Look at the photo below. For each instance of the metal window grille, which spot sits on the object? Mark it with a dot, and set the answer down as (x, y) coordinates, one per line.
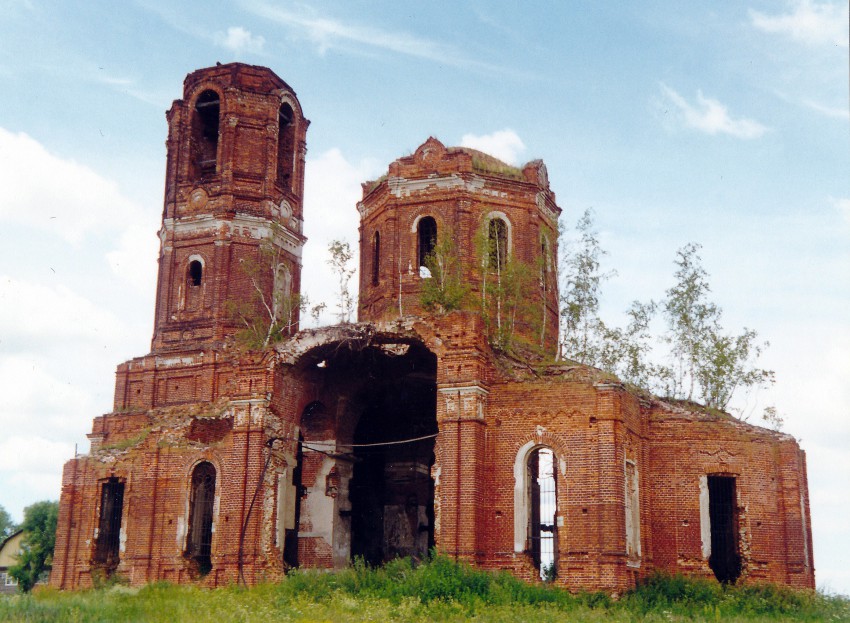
(109, 527)
(199, 542)
(543, 507)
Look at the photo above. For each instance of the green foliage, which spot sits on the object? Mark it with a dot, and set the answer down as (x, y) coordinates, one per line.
(707, 362)
(772, 419)
(487, 164)
(39, 528)
(585, 337)
(7, 526)
(689, 598)
(583, 333)
(437, 590)
(444, 290)
(509, 290)
(272, 312)
(130, 442)
(340, 259)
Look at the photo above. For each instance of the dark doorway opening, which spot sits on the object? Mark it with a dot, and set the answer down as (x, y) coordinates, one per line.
(391, 490)
(725, 559)
(108, 544)
(290, 544)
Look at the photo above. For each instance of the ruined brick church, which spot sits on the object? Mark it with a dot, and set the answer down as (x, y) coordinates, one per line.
(407, 430)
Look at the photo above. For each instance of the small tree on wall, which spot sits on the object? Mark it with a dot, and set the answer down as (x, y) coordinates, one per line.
(339, 261)
(705, 360)
(272, 312)
(444, 290)
(508, 291)
(583, 332)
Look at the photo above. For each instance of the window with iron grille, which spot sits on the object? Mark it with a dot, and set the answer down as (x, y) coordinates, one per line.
(108, 542)
(543, 506)
(199, 541)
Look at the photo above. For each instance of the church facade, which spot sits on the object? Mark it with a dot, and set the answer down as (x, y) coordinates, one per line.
(411, 429)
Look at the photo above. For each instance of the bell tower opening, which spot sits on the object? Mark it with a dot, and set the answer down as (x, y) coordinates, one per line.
(205, 134)
(427, 239)
(285, 144)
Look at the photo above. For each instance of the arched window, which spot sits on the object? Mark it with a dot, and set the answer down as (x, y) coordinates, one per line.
(497, 243)
(195, 273)
(285, 143)
(376, 258)
(542, 501)
(427, 238)
(201, 503)
(205, 134)
(536, 507)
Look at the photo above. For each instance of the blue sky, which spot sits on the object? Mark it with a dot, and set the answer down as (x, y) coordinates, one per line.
(723, 123)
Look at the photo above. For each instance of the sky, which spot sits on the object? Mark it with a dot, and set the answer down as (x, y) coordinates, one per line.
(722, 123)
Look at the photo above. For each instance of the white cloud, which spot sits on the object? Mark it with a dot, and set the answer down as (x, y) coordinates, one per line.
(504, 144)
(59, 196)
(39, 403)
(240, 40)
(712, 117)
(30, 470)
(134, 258)
(35, 312)
(327, 33)
(836, 113)
(332, 214)
(843, 207)
(813, 23)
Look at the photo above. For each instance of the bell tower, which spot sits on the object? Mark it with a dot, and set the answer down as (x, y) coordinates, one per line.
(231, 235)
(491, 224)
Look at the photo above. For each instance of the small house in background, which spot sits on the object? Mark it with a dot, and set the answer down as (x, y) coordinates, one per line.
(10, 549)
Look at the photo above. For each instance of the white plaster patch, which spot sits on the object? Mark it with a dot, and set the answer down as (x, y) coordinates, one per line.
(704, 517)
(181, 532)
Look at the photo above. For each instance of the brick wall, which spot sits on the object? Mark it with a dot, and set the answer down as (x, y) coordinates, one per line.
(200, 397)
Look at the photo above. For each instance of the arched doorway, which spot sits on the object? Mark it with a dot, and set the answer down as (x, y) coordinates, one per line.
(369, 430)
(391, 491)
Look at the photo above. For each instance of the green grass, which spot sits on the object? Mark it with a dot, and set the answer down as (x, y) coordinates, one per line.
(439, 590)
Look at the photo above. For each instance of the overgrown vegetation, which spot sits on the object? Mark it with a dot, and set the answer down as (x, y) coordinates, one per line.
(7, 526)
(438, 590)
(340, 262)
(272, 311)
(488, 164)
(444, 291)
(696, 358)
(509, 290)
(36, 555)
